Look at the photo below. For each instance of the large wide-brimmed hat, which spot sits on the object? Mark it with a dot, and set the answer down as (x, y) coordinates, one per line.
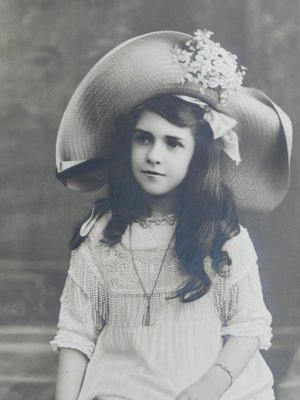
(144, 67)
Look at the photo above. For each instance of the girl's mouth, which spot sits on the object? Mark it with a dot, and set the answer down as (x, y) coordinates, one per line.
(148, 172)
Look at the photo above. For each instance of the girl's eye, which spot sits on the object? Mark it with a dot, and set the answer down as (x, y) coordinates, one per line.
(141, 138)
(174, 144)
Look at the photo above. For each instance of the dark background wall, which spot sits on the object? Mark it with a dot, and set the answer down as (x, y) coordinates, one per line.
(46, 47)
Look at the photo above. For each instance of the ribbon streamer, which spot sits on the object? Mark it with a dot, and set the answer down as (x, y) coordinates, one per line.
(88, 224)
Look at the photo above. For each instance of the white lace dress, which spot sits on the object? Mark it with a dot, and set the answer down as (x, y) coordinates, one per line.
(103, 307)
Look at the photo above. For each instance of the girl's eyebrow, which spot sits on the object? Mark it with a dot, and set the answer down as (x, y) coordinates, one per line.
(137, 130)
(179, 139)
(169, 137)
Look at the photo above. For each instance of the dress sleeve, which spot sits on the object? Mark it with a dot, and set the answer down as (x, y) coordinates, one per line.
(240, 299)
(83, 310)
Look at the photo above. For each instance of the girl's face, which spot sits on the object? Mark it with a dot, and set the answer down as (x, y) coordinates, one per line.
(161, 153)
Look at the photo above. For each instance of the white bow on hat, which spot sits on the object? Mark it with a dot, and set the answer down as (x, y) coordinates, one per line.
(222, 127)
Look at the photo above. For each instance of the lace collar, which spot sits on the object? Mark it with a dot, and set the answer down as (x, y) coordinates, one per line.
(145, 222)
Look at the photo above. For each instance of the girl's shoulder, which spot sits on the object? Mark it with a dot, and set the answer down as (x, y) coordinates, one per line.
(95, 224)
(242, 254)
(92, 227)
(240, 243)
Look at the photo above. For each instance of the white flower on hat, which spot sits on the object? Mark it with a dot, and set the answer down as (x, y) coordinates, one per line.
(209, 65)
(213, 83)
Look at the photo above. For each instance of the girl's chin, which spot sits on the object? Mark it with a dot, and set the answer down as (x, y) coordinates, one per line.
(156, 194)
(154, 189)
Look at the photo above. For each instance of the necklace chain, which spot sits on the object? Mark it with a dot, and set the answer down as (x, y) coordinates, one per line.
(147, 316)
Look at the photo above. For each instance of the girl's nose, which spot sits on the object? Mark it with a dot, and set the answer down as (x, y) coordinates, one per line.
(155, 155)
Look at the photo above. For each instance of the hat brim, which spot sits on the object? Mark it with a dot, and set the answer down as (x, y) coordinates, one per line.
(142, 68)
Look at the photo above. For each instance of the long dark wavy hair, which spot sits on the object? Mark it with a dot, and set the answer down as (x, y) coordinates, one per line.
(206, 214)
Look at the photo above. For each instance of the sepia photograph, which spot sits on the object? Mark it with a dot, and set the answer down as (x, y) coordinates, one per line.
(150, 217)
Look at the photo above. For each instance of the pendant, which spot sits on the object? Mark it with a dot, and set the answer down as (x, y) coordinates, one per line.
(146, 321)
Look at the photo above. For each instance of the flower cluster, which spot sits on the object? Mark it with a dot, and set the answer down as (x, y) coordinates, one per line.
(209, 65)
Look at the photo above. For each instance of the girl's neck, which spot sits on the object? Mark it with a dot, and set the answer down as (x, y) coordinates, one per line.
(158, 207)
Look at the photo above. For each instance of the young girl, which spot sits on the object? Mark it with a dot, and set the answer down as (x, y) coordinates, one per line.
(163, 299)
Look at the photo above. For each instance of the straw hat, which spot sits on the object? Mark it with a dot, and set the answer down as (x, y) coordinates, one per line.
(144, 67)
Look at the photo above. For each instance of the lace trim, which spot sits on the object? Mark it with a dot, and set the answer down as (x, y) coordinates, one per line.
(227, 288)
(84, 293)
(247, 315)
(252, 328)
(118, 273)
(128, 310)
(102, 286)
(145, 222)
(70, 339)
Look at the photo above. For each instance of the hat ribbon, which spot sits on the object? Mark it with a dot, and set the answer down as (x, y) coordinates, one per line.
(222, 126)
(88, 224)
(66, 165)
